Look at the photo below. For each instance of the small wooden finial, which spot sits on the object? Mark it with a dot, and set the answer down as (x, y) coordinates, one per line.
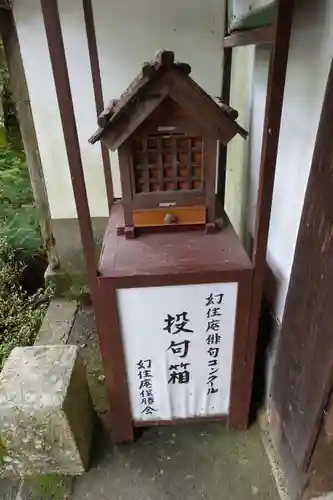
(106, 114)
(183, 68)
(165, 57)
(148, 70)
(228, 110)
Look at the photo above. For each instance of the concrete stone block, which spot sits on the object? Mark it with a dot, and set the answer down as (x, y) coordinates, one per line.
(57, 322)
(46, 417)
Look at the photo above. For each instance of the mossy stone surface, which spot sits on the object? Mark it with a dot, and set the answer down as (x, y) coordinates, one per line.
(50, 487)
(45, 412)
(71, 284)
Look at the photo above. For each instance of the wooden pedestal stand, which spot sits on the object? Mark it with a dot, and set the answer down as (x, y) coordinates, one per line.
(207, 259)
(160, 260)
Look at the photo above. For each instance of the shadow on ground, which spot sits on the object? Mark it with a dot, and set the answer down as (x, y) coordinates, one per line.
(181, 463)
(189, 462)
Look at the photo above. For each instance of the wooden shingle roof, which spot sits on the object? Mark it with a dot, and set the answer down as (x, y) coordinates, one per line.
(153, 76)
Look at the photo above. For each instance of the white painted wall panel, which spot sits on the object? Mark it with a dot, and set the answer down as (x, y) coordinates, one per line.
(309, 62)
(77, 54)
(258, 103)
(238, 150)
(45, 111)
(130, 32)
(44, 104)
(308, 66)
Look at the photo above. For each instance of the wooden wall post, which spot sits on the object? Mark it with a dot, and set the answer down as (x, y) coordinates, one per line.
(225, 95)
(302, 380)
(122, 427)
(272, 121)
(97, 84)
(61, 79)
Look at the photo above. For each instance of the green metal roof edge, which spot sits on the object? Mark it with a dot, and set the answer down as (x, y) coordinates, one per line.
(256, 18)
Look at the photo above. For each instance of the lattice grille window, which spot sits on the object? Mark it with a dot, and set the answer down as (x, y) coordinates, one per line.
(167, 163)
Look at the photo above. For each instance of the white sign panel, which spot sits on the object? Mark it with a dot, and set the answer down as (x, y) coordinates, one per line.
(178, 344)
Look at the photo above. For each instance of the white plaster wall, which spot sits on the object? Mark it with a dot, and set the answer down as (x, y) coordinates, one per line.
(128, 33)
(46, 115)
(257, 114)
(238, 148)
(131, 31)
(43, 101)
(309, 60)
(76, 47)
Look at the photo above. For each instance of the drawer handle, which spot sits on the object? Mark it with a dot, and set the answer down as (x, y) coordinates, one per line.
(171, 219)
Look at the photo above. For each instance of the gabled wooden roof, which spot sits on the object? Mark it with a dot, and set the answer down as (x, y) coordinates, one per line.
(157, 80)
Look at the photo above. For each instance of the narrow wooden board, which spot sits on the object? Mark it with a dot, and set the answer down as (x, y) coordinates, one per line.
(302, 376)
(185, 215)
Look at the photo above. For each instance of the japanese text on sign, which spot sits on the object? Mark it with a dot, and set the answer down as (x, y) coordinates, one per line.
(178, 345)
(179, 371)
(145, 386)
(213, 339)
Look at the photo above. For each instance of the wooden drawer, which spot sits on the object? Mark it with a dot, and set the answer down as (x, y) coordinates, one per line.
(157, 216)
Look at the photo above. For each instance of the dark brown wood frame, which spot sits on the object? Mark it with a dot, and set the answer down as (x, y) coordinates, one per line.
(116, 371)
(265, 34)
(204, 196)
(61, 78)
(279, 36)
(103, 291)
(63, 89)
(97, 84)
(225, 95)
(301, 403)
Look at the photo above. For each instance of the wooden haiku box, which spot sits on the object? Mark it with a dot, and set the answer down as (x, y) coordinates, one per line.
(166, 129)
(174, 300)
